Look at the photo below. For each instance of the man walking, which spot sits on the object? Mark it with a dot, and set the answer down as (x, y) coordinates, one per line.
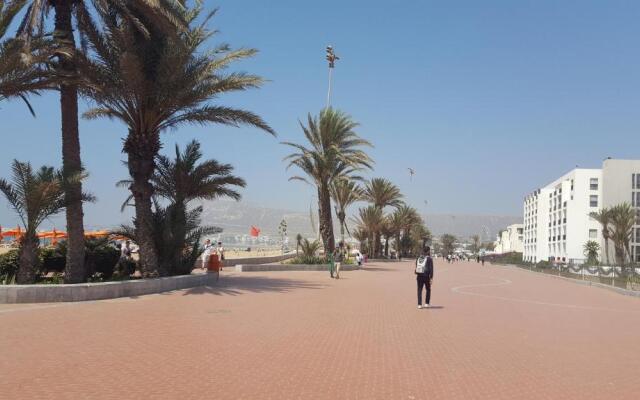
(424, 276)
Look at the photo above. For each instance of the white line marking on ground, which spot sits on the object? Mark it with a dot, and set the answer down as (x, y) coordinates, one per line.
(503, 282)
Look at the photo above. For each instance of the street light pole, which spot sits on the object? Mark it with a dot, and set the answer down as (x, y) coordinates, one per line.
(331, 58)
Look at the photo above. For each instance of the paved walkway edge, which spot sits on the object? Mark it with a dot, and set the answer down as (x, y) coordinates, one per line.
(626, 292)
(10, 294)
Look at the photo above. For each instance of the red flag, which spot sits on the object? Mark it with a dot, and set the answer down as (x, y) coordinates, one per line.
(255, 232)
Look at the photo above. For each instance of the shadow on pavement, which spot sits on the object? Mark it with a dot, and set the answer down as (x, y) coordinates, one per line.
(379, 269)
(434, 308)
(236, 285)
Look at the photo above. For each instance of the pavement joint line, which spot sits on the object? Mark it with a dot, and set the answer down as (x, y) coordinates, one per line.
(504, 282)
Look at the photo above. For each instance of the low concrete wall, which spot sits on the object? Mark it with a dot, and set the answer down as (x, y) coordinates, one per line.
(258, 260)
(99, 291)
(291, 267)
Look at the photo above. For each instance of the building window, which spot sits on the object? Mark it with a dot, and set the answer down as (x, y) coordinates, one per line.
(637, 181)
(593, 200)
(637, 235)
(593, 233)
(633, 181)
(593, 183)
(637, 199)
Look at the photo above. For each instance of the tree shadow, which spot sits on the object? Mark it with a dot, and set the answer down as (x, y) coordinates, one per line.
(237, 285)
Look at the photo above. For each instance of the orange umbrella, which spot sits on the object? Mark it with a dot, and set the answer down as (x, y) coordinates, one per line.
(97, 234)
(54, 235)
(13, 232)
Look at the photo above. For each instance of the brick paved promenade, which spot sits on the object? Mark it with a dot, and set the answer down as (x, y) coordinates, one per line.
(496, 333)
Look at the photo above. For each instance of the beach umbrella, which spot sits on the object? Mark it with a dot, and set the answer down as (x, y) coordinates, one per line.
(12, 232)
(255, 232)
(96, 234)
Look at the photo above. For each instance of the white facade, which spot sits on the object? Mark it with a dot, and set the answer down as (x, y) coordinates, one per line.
(510, 239)
(556, 217)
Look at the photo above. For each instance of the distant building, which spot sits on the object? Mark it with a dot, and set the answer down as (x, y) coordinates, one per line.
(556, 217)
(510, 240)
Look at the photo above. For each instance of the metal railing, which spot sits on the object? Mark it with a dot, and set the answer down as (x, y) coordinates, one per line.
(621, 277)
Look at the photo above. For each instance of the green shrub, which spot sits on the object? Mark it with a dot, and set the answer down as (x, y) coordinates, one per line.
(51, 259)
(309, 260)
(543, 264)
(8, 267)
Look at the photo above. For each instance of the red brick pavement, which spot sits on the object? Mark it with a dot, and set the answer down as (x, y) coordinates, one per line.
(496, 333)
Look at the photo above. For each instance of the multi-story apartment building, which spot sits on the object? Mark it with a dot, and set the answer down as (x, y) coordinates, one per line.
(510, 239)
(556, 216)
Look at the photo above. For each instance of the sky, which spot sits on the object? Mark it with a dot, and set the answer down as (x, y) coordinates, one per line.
(487, 101)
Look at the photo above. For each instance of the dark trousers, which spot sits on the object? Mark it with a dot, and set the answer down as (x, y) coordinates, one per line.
(424, 282)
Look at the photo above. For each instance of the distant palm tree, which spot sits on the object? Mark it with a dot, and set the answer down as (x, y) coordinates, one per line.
(20, 65)
(623, 218)
(403, 219)
(298, 242)
(34, 196)
(145, 15)
(344, 193)
(475, 244)
(381, 193)
(448, 242)
(591, 249)
(157, 82)
(603, 216)
(370, 220)
(334, 153)
(361, 236)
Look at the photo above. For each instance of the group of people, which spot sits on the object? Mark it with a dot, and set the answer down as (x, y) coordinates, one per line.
(209, 250)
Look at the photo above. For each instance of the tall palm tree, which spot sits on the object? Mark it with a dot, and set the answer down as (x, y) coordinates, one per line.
(603, 216)
(155, 83)
(34, 196)
(448, 242)
(382, 193)
(182, 180)
(475, 244)
(298, 242)
(334, 153)
(20, 66)
(370, 220)
(344, 193)
(162, 13)
(623, 218)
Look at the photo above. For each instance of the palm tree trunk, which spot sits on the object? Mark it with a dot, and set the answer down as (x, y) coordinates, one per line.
(606, 248)
(326, 220)
(71, 162)
(141, 150)
(28, 259)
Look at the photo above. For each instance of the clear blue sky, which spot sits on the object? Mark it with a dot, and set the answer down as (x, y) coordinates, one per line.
(487, 100)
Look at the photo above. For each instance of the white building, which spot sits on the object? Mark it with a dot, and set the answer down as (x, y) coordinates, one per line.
(556, 217)
(510, 240)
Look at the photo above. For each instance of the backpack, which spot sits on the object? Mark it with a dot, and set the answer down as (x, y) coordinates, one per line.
(421, 265)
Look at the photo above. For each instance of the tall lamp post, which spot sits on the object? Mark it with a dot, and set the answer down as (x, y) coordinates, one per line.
(331, 58)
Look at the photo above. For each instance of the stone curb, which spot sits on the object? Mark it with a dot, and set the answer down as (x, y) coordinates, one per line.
(625, 292)
(10, 294)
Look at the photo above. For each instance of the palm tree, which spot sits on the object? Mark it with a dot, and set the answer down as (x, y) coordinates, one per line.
(623, 218)
(344, 193)
(155, 83)
(475, 244)
(382, 193)
(298, 242)
(309, 249)
(448, 242)
(34, 196)
(158, 13)
(604, 218)
(370, 220)
(361, 236)
(403, 219)
(182, 180)
(334, 154)
(591, 250)
(20, 72)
